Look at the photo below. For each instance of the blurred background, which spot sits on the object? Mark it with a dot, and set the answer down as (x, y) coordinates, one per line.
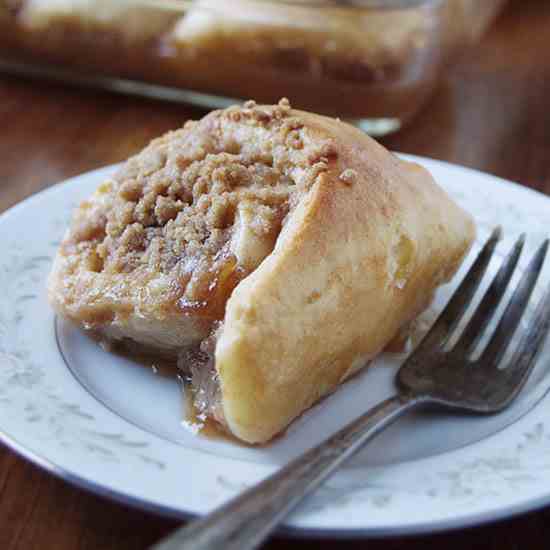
(435, 76)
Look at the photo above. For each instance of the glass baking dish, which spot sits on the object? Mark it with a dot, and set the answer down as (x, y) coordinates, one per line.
(374, 62)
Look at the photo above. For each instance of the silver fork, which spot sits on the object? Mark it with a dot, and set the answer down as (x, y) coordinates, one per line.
(451, 378)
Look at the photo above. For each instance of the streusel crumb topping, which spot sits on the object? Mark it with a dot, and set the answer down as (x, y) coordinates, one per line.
(200, 207)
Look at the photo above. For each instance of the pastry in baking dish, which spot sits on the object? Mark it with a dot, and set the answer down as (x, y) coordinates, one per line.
(272, 252)
(349, 44)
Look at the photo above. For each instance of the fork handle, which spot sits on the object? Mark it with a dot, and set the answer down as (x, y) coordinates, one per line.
(245, 521)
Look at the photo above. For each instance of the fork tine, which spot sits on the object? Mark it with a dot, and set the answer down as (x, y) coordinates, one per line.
(525, 356)
(511, 317)
(451, 315)
(490, 302)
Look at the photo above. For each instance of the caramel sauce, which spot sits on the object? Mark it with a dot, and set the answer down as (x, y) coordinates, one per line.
(192, 419)
(142, 357)
(200, 424)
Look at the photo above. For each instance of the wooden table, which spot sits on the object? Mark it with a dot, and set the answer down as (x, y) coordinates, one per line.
(491, 113)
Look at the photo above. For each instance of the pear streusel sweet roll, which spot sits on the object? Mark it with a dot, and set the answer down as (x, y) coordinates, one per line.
(272, 252)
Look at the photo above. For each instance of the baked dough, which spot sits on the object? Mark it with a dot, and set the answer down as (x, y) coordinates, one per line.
(274, 251)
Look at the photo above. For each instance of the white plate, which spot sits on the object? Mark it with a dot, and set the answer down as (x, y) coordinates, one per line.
(102, 423)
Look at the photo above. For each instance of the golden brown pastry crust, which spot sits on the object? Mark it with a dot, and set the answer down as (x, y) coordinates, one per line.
(359, 257)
